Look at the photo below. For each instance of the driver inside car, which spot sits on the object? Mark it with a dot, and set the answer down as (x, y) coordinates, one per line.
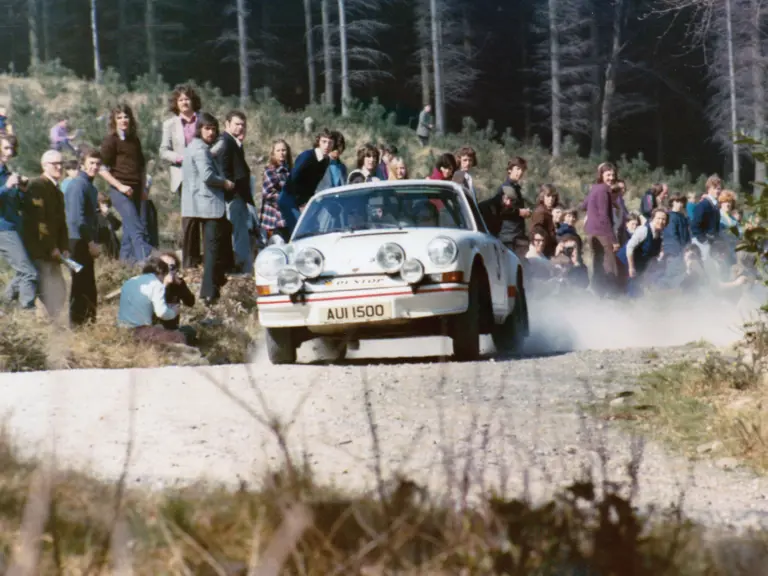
(377, 214)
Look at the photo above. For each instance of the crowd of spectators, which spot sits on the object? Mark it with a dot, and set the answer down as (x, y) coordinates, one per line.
(59, 218)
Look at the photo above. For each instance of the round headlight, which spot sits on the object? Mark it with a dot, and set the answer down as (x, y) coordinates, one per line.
(390, 257)
(442, 251)
(289, 281)
(270, 261)
(310, 262)
(412, 271)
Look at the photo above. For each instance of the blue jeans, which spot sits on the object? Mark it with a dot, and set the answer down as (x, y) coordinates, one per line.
(239, 215)
(289, 210)
(135, 243)
(24, 283)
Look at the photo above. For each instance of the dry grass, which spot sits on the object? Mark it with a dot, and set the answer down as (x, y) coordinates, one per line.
(74, 524)
(715, 407)
(28, 341)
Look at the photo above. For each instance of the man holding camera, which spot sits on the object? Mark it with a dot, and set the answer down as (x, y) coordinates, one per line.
(44, 231)
(568, 264)
(24, 283)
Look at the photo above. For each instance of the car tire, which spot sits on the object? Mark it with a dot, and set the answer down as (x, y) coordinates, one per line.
(508, 337)
(281, 348)
(465, 331)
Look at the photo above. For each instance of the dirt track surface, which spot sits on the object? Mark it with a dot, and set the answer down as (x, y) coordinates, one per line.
(517, 418)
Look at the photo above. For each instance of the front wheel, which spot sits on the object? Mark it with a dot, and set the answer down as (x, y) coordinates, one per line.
(280, 346)
(465, 331)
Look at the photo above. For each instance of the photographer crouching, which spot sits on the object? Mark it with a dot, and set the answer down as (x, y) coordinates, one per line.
(569, 268)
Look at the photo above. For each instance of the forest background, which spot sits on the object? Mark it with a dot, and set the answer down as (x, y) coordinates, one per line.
(668, 79)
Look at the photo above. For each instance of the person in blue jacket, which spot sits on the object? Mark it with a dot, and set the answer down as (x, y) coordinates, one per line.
(643, 247)
(705, 223)
(677, 235)
(308, 170)
(24, 285)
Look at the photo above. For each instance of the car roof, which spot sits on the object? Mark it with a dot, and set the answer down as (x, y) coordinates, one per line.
(391, 184)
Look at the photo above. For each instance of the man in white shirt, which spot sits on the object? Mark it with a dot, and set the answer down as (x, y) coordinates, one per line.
(144, 295)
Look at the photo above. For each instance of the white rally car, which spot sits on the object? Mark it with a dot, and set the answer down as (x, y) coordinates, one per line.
(390, 259)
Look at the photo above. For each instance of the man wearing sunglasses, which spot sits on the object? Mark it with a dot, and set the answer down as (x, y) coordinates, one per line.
(45, 234)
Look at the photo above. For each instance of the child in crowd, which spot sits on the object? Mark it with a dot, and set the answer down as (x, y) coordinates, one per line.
(72, 168)
(108, 225)
(557, 216)
(568, 226)
(690, 205)
(633, 221)
(568, 223)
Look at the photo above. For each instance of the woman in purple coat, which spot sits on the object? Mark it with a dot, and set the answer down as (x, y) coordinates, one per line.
(600, 232)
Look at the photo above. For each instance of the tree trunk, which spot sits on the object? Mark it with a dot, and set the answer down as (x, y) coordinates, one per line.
(95, 40)
(525, 78)
(149, 23)
(610, 74)
(242, 54)
(467, 32)
(732, 85)
(122, 28)
(34, 49)
(758, 77)
(423, 34)
(659, 127)
(45, 20)
(266, 45)
(554, 60)
(346, 93)
(310, 52)
(437, 68)
(596, 82)
(329, 97)
(426, 82)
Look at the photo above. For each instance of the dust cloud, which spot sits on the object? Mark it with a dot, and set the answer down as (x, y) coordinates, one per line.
(584, 322)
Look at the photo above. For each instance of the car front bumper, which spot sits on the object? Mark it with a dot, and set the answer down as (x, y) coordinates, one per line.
(333, 312)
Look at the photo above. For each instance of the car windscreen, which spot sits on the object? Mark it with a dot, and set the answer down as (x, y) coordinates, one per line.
(382, 207)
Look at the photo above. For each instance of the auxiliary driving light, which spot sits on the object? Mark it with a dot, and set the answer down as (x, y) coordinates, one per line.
(412, 271)
(289, 281)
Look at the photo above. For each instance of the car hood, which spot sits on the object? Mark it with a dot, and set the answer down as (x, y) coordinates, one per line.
(355, 252)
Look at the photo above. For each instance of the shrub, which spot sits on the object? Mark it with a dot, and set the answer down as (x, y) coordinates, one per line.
(53, 77)
(32, 123)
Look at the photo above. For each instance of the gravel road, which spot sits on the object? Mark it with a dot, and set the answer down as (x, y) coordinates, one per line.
(518, 420)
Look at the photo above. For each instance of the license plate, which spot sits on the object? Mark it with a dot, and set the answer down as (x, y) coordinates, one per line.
(356, 313)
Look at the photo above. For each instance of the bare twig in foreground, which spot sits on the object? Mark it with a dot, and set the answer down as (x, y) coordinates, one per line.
(27, 551)
(297, 519)
(120, 549)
